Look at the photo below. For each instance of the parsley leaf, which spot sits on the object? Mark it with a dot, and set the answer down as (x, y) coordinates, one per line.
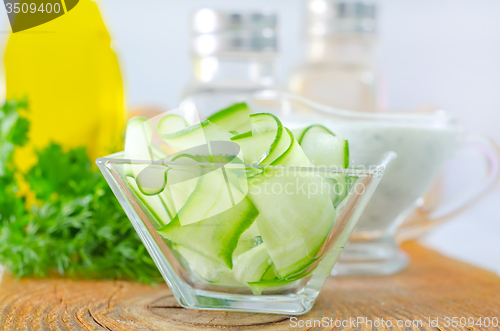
(77, 228)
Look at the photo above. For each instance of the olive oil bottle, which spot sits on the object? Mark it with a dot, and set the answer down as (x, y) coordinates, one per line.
(69, 73)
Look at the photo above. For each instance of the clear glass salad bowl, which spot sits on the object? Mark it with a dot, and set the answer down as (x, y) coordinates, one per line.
(310, 229)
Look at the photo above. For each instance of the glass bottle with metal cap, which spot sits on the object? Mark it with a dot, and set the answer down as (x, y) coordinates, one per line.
(340, 68)
(234, 55)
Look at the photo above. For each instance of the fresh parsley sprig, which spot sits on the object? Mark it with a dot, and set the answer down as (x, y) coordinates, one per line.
(77, 228)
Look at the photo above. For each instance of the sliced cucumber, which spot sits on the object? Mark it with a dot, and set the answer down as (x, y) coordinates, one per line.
(326, 150)
(269, 275)
(264, 123)
(268, 239)
(253, 148)
(207, 189)
(154, 204)
(204, 267)
(293, 155)
(251, 233)
(295, 221)
(293, 227)
(216, 237)
(323, 148)
(277, 284)
(206, 142)
(266, 142)
(168, 200)
(181, 183)
(209, 198)
(158, 153)
(191, 136)
(252, 265)
(171, 123)
(257, 144)
(150, 178)
(138, 135)
(246, 244)
(234, 118)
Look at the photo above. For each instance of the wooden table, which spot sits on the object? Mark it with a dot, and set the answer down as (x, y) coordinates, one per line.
(433, 287)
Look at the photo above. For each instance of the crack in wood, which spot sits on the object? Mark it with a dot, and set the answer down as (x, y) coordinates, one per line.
(120, 287)
(81, 322)
(104, 326)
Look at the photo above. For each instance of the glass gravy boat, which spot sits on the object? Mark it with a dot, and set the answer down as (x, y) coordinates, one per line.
(423, 142)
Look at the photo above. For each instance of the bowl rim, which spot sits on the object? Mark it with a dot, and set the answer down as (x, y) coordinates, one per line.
(376, 170)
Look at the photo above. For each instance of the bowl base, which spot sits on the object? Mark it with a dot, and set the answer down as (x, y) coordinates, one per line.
(269, 304)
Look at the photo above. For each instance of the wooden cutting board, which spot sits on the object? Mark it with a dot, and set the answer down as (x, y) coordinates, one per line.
(432, 287)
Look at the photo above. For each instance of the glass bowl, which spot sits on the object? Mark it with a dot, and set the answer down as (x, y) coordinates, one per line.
(297, 210)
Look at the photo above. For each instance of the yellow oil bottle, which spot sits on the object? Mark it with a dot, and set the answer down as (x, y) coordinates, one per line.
(70, 75)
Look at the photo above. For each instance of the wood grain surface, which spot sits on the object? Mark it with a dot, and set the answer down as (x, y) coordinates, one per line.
(432, 287)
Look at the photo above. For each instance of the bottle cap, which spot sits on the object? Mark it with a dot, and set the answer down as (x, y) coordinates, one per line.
(340, 16)
(219, 31)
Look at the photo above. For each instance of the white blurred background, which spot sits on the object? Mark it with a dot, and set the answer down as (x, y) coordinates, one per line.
(443, 53)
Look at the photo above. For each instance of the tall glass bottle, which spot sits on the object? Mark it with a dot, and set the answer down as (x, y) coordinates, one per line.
(234, 55)
(70, 75)
(340, 68)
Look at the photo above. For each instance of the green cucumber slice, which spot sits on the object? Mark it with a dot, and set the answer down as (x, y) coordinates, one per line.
(295, 222)
(251, 265)
(209, 271)
(154, 204)
(326, 150)
(293, 155)
(263, 124)
(216, 237)
(211, 190)
(275, 284)
(158, 153)
(252, 232)
(172, 123)
(234, 118)
(188, 137)
(246, 244)
(138, 135)
(204, 267)
(168, 200)
(293, 226)
(206, 142)
(269, 275)
(266, 142)
(150, 178)
(181, 183)
(254, 149)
